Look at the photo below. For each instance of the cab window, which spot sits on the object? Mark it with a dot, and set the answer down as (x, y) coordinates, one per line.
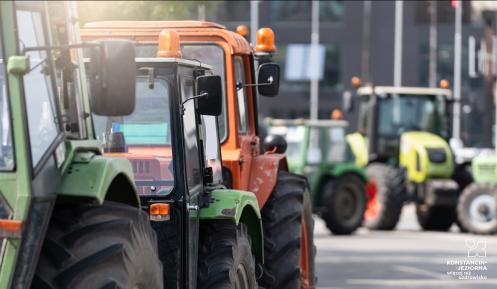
(6, 150)
(241, 96)
(211, 147)
(38, 90)
(190, 134)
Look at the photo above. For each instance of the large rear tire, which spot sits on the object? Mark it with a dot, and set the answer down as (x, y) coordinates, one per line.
(477, 208)
(225, 257)
(435, 218)
(288, 235)
(345, 202)
(99, 247)
(383, 211)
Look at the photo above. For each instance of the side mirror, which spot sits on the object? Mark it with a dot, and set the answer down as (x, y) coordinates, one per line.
(112, 78)
(209, 92)
(268, 79)
(347, 101)
(275, 144)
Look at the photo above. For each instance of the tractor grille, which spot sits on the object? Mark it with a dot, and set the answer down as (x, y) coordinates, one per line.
(437, 156)
(140, 166)
(486, 169)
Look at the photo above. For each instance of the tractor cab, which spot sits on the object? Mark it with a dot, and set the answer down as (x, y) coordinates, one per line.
(385, 113)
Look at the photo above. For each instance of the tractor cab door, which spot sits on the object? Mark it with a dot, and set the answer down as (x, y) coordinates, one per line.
(194, 179)
(32, 148)
(247, 139)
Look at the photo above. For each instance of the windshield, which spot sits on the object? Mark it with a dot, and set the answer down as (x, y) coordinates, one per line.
(210, 54)
(400, 113)
(144, 137)
(294, 136)
(6, 153)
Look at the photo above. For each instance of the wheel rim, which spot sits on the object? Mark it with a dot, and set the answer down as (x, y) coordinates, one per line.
(373, 208)
(304, 257)
(242, 279)
(346, 204)
(482, 211)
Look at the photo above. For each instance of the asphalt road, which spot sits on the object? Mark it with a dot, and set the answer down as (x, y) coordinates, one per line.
(405, 258)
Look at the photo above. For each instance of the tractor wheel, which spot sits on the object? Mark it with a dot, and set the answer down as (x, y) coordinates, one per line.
(385, 205)
(435, 218)
(288, 235)
(477, 207)
(345, 201)
(99, 246)
(225, 259)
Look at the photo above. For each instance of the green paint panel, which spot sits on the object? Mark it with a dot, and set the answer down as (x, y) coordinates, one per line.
(90, 175)
(485, 169)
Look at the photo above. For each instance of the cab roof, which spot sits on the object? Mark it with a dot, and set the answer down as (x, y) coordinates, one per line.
(186, 62)
(368, 90)
(148, 31)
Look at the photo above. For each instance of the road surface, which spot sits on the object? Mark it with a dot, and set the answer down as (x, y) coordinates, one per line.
(405, 258)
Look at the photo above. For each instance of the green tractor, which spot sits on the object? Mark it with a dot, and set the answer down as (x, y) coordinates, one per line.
(477, 207)
(318, 150)
(72, 216)
(402, 140)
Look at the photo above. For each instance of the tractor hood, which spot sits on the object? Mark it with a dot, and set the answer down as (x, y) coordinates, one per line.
(425, 155)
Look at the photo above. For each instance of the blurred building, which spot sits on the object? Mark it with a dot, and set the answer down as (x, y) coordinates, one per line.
(341, 36)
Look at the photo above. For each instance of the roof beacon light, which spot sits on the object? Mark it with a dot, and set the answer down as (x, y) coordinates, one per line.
(444, 83)
(356, 82)
(243, 30)
(336, 114)
(169, 44)
(265, 41)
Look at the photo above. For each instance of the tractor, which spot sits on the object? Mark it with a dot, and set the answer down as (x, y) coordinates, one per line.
(209, 236)
(402, 140)
(246, 72)
(477, 207)
(318, 150)
(71, 214)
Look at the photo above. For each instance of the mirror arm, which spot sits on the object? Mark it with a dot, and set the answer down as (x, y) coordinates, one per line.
(204, 94)
(258, 84)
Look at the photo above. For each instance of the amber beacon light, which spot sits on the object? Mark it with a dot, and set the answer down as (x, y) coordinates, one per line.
(169, 44)
(243, 30)
(265, 41)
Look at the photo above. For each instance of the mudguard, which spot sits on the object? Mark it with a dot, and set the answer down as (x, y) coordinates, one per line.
(238, 206)
(93, 176)
(349, 168)
(425, 156)
(359, 146)
(264, 174)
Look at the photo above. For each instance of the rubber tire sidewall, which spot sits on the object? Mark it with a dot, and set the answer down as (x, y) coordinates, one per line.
(347, 183)
(467, 196)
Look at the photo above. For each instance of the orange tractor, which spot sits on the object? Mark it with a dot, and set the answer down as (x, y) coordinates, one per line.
(246, 71)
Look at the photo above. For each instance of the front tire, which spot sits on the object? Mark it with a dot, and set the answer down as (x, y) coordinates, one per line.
(476, 210)
(225, 257)
(99, 246)
(383, 211)
(288, 235)
(345, 201)
(435, 218)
